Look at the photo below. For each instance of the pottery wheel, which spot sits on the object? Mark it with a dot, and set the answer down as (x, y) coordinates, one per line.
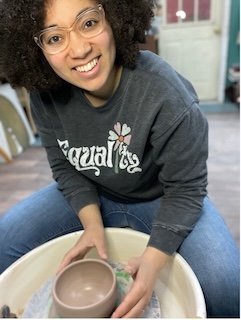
(40, 303)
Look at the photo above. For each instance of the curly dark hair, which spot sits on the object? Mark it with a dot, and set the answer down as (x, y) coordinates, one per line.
(22, 62)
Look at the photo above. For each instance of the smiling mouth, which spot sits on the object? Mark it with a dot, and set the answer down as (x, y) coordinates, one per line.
(88, 67)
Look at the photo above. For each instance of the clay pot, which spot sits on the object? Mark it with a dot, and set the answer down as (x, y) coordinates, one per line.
(85, 289)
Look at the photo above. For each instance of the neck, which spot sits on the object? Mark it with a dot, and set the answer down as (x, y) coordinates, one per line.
(99, 98)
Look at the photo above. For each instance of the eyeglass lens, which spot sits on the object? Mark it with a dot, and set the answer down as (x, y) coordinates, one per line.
(88, 24)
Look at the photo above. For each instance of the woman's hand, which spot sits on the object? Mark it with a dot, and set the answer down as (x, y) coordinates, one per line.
(145, 270)
(93, 236)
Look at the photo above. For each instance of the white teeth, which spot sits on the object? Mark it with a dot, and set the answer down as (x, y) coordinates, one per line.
(88, 66)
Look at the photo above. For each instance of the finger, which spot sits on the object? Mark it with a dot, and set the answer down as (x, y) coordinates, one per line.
(132, 301)
(133, 266)
(66, 261)
(103, 255)
(70, 256)
(136, 311)
(126, 310)
(101, 251)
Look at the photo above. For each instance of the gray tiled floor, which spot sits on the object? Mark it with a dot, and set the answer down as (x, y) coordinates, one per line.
(29, 171)
(224, 167)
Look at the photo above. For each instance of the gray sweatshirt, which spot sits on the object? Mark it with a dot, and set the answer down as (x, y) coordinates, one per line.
(150, 140)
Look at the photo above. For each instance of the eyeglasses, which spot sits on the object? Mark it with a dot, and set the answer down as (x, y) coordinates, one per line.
(88, 24)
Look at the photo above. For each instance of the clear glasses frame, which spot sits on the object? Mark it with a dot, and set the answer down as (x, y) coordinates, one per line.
(88, 24)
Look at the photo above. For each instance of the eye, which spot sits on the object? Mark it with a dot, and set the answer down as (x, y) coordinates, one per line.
(54, 40)
(51, 39)
(89, 24)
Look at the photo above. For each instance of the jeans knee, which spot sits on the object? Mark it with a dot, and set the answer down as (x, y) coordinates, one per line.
(222, 293)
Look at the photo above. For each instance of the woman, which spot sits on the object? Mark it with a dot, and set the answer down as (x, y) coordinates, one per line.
(126, 141)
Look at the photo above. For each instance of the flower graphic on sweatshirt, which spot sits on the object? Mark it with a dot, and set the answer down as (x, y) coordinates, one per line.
(121, 137)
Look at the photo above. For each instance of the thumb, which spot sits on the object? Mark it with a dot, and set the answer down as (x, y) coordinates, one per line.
(133, 266)
(102, 252)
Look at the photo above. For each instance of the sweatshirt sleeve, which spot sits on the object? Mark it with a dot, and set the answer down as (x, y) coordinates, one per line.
(181, 151)
(78, 190)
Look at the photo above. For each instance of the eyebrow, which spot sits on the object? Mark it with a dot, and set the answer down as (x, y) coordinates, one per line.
(78, 14)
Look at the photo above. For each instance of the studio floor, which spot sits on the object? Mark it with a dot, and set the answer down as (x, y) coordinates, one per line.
(29, 171)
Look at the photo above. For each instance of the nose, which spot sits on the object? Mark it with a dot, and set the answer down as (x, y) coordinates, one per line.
(78, 47)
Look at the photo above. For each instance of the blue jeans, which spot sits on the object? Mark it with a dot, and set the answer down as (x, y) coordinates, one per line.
(209, 249)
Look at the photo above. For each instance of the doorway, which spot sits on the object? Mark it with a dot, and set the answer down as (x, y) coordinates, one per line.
(191, 41)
